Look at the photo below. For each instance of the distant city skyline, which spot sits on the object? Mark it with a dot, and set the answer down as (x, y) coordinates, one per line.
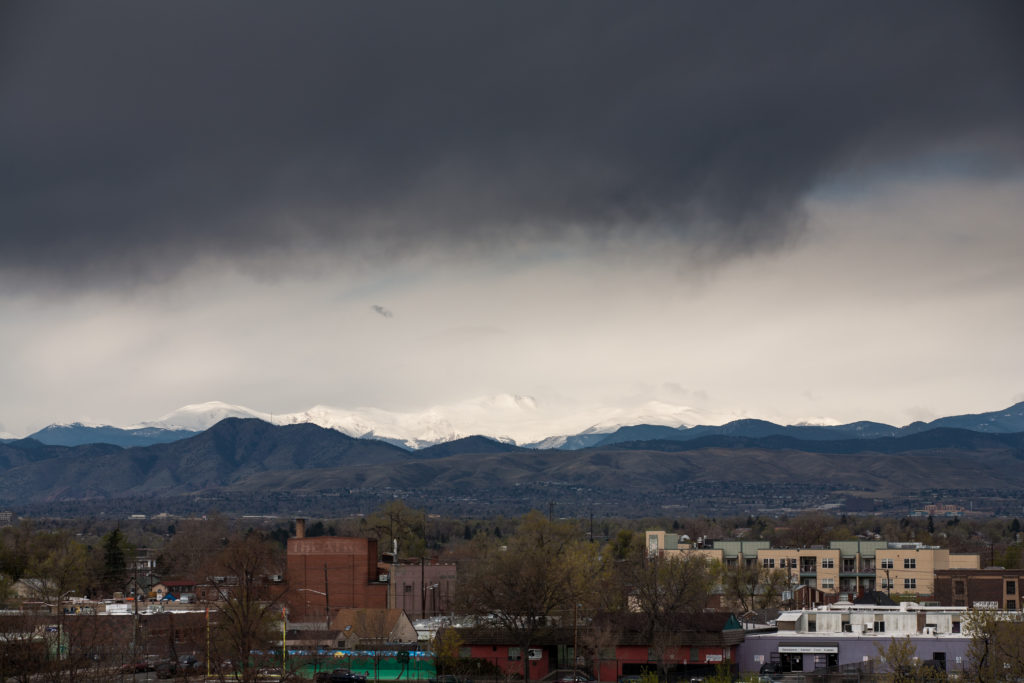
(808, 212)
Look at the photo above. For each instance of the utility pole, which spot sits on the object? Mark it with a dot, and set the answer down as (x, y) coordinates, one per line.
(135, 618)
(575, 659)
(327, 602)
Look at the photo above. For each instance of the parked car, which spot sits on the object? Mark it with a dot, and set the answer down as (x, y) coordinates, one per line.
(339, 676)
(574, 677)
(138, 666)
(169, 668)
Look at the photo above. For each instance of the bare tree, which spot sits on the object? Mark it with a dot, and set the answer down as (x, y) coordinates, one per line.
(754, 587)
(996, 650)
(521, 586)
(902, 665)
(188, 553)
(396, 521)
(23, 650)
(666, 591)
(248, 609)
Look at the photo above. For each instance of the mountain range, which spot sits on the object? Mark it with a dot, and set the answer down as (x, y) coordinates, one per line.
(418, 431)
(248, 463)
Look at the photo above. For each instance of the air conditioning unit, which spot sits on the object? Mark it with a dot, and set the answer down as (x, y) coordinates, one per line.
(383, 578)
(277, 578)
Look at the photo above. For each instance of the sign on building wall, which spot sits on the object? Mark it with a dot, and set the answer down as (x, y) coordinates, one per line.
(809, 649)
(326, 545)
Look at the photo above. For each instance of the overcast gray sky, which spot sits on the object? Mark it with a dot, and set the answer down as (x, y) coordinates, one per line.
(780, 210)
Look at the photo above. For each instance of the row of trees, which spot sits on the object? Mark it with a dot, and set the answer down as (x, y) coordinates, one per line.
(184, 542)
(548, 572)
(521, 579)
(46, 641)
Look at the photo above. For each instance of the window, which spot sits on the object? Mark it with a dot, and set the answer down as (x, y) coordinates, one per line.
(958, 587)
(849, 564)
(909, 563)
(812, 624)
(887, 583)
(1011, 604)
(910, 583)
(769, 562)
(828, 583)
(1011, 587)
(887, 563)
(828, 563)
(514, 654)
(879, 627)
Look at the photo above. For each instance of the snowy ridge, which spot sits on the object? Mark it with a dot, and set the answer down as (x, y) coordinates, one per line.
(198, 417)
(520, 420)
(505, 417)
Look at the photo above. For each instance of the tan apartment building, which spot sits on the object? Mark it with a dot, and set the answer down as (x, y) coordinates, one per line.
(667, 544)
(846, 569)
(909, 568)
(814, 567)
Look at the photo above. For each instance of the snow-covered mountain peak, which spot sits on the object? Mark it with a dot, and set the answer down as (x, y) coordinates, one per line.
(200, 416)
(512, 418)
(507, 417)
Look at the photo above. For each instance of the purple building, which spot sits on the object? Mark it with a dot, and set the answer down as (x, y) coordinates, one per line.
(847, 634)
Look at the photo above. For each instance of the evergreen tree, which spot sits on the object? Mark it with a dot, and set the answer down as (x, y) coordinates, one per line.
(115, 563)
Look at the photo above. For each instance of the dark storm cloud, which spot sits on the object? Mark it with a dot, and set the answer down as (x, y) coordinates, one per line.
(135, 137)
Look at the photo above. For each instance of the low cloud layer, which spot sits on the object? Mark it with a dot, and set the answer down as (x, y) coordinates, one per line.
(139, 138)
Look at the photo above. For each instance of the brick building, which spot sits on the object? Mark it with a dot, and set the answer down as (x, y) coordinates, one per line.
(610, 647)
(328, 573)
(423, 588)
(992, 587)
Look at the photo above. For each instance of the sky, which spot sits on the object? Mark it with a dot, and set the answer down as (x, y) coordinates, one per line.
(801, 211)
